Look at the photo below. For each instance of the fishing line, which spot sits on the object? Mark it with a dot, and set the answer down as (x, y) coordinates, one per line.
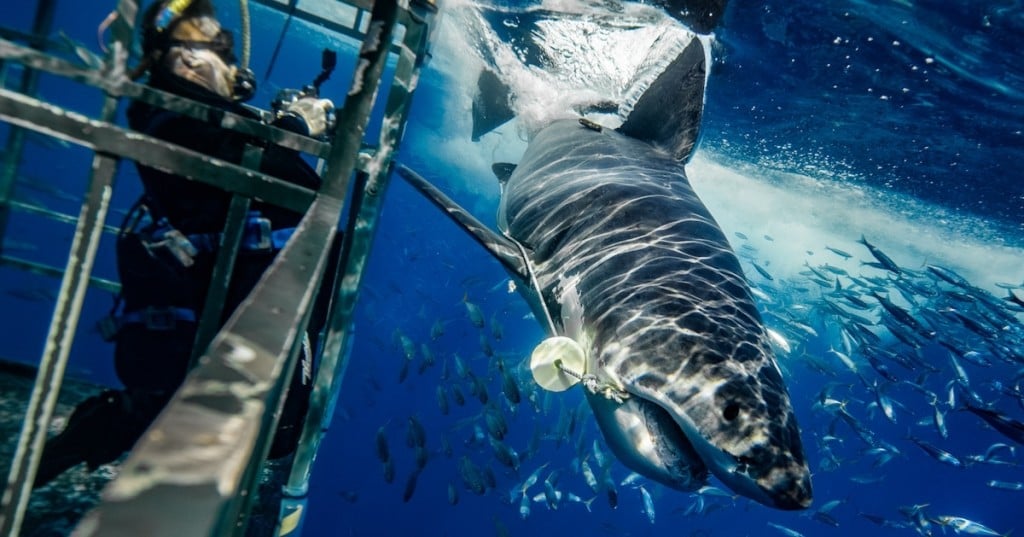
(590, 381)
(533, 283)
(292, 5)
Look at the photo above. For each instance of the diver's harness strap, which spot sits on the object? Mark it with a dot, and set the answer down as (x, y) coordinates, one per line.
(162, 240)
(169, 245)
(153, 318)
(258, 236)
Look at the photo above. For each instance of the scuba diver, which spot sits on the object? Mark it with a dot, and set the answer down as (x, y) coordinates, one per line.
(167, 247)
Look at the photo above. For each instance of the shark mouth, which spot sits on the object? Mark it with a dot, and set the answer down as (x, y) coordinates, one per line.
(683, 457)
(647, 439)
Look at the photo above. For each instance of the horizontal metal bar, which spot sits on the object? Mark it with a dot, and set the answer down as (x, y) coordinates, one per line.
(203, 448)
(36, 41)
(415, 15)
(305, 15)
(187, 473)
(51, 214)
(149, 151)
(55, 272)
(116, 84)
(365, 5)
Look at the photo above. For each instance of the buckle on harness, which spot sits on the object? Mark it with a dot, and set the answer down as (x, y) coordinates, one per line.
(258, 235)
(108, 327)
(159, 318)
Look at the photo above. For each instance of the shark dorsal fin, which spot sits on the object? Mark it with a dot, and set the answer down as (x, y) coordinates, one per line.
(491, 105)
(668, 114)
(503, 170)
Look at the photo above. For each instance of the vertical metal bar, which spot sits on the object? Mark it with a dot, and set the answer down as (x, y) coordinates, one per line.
(11, 162)
(228, 399)
(329, 374)
(250, 482)
(58, 343)
(359, 20)
(231, 243)
(74, 284)
(360, 232)
(213, 308)
(348, 134)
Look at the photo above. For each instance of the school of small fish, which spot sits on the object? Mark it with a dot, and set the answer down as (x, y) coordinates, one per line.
(887, 347)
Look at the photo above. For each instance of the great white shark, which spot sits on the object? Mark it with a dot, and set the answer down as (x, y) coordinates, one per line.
(609, 241)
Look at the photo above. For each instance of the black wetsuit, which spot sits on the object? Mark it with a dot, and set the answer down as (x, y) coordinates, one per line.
(152, 363)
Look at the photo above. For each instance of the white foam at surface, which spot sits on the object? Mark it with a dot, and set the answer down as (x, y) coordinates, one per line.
(801, 213)
(626, 56)
(804, 213)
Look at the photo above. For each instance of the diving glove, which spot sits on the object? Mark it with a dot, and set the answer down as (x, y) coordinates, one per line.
(317, 114)
(245, 85)
(171, 247)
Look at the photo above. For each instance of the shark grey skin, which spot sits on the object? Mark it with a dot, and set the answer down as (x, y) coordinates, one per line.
(630, 264)
(614, 230)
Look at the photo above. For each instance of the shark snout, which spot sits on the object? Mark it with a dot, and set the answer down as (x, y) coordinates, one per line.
(780, 481)
(788, 488)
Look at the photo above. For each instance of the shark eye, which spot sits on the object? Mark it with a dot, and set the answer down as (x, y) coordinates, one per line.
(731, 411)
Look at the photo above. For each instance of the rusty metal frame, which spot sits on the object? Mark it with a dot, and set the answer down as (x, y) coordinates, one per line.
(371, 185)
(64, 321)
(194, 472)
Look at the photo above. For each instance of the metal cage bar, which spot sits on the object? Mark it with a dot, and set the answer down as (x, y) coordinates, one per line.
(220, 280)
(204, 442)
(360, 231)
(194, 471)
(16, 139)
(64, 321)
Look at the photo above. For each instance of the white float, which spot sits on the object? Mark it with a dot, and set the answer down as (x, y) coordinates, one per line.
(552, 353)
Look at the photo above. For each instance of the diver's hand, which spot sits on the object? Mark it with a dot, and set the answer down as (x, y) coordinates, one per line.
(318, 114)
(244, 86)
(171, 247)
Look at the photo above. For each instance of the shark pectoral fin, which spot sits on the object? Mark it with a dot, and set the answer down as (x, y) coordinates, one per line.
(501, 248)
(503, 170)
(668, 114)
(491, 105)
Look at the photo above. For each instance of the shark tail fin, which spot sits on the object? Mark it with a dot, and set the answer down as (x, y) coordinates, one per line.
(669, 112)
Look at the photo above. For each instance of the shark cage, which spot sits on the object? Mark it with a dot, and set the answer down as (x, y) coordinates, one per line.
(196, 469)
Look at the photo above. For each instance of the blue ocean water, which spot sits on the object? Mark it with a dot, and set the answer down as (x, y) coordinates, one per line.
(824, 121)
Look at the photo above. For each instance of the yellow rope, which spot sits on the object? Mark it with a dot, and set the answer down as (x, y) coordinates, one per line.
(246, 43)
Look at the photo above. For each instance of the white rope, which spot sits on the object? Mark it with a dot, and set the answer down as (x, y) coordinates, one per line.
(533, 283)
(243, 6)
(589, 381)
